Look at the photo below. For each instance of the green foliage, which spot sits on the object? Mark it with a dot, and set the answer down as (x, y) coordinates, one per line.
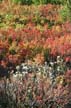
(38, 2)
(69, 4)
(57, 1)
(49, 1)
(1, 0)
(65, 13)
(28, 2)
(16, 1)
(8, 17)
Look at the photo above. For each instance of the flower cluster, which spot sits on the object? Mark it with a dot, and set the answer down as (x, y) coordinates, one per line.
(35, 91)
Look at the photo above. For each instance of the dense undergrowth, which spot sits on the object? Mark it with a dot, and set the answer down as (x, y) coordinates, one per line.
(41, 34)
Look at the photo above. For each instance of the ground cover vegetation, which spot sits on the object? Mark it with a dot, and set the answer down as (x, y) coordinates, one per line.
(35, 53)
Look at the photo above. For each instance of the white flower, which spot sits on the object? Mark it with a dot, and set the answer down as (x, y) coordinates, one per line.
(25, 68)
(22, 64)
(18, 67)
(58, 68)
(58, 57)
(51, 63)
